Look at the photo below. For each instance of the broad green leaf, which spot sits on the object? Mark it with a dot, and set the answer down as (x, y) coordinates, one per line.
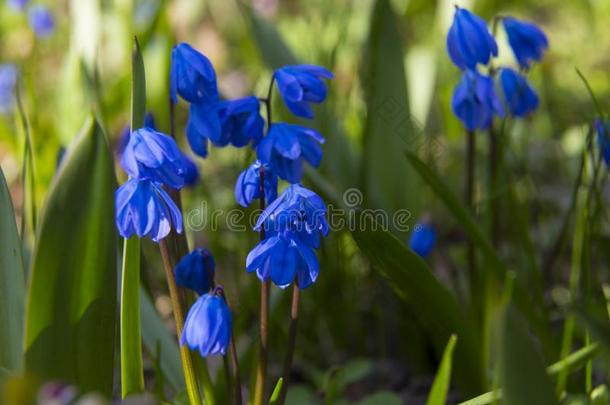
(440, 387)
(523, 377)
(535, 314)
(155, 332)
(71, 310)
(12, 285)
(389, 127)
(132, 371)
(341, 169)
(431, 302)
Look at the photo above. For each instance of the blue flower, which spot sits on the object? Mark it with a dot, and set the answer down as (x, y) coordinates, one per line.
(149, 121)
(208, 326)
(192, 76)
(298, 210)
(237, 122)
(143, 208)
(520, 98)
(603, 139)
(300, 85)
(8, 80)
(423, 239)
(152, 155)
(284, 258)
(475, 101)
(41, 20)
(191, 175)
(469, 41)
(527, 40)
(18, 5)
(196, 271)
(286, 146)
(247, 187)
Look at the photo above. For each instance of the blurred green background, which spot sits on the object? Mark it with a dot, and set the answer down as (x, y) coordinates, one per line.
(391, 93)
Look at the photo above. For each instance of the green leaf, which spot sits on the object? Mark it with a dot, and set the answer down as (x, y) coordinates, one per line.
(154, 332)
(12, 285)
(431, 302)
(389, 128)
(71, 310)
(132, 370)
(535, 314)
(440, 387)
(275, 395)
(523, 377)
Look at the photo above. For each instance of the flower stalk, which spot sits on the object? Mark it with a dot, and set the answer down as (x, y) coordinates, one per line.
(292, 337)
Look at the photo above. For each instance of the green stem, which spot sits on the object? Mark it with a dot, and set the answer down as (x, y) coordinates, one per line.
(187, 362)
(292, 336)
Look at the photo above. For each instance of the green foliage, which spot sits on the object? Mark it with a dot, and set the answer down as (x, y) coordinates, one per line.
(71, 309)
(12, 285)
(438, 393)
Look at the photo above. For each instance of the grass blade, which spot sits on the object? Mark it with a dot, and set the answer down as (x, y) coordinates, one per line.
(438, 394)
(12, 285)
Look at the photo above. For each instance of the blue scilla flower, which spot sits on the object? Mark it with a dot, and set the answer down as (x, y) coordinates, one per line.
(469, 41)
(527, 40)
(149, 122)
(297, 210)
(286, 146)
(237, 122)
(423, 239)
(603, 139)
(247, 187)
(41, 20)
(195, 271)
(18, 5)
(475, 101)
(152, 155)
(284, 258)
(519, 96)
(8, 80)
(192, 76)
(301, 85)
(143, 208)
(208, 326)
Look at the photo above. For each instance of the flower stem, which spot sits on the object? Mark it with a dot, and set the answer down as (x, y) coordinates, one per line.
(235, 371)
(292, 337)
(187, 362)
(261, 371)
(469, 193)
(494, 156)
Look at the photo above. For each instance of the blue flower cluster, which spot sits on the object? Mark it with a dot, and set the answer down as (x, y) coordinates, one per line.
(8, 80)
(602, 128)
(143, 208)
(470, 44)
(40, 17)
(292, 223)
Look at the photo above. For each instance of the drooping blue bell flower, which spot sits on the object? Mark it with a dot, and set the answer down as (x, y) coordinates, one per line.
(191, 175)
(41, 20)
(519, 96)
(8, 80)
(298, 210)
(603, 139)
(286, 146)
(247, 187)
(152, 155)
(18, 5)
(208, 326)
(423, 239)
(192, 76)
(195, 271)
(475, 101)
(237, 122)
(301, 85)
(283, 258)
(143, 208)
(527, 40)
(469, 41)
(149, 122)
